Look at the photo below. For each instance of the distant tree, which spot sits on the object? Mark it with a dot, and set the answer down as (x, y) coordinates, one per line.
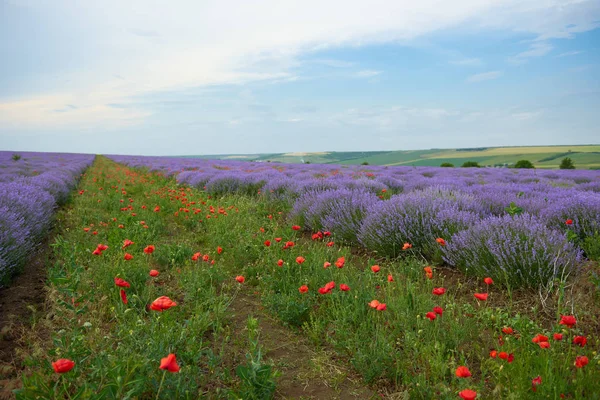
(566, 163)
(364, 163)
(447, 165)
(523, 164)
(16, 157)
(470, 164)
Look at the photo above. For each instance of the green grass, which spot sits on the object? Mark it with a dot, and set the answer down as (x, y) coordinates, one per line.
(584, 157)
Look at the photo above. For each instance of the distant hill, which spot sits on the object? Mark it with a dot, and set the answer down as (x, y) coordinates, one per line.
(583, 156)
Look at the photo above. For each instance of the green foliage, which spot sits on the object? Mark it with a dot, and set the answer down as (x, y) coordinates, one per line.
(591, 246)
(566, 163)
(257, 378)
(470, 164)
(364, 163)
(16, 157)
(513, 209)
(523, 164)
(447, 165)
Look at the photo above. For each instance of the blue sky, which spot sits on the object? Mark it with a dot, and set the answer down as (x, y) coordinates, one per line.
(217, 77)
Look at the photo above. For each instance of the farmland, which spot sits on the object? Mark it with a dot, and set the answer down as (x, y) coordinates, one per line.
(192, 278)
(547, 157)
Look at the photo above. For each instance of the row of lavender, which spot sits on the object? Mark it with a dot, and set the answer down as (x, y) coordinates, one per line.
(521, 227)
(32, 185)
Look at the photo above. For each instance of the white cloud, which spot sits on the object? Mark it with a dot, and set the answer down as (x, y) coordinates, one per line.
(367, 73)
(569, 53)
(484, 76)
(147, 47)
(537, 49)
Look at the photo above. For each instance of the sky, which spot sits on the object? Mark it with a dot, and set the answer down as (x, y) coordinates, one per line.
(268, 76)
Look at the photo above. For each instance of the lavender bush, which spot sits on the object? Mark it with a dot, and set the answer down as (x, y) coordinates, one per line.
(31, 188)
(519, 251)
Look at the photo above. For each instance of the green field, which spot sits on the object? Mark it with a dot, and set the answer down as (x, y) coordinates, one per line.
(583, 156)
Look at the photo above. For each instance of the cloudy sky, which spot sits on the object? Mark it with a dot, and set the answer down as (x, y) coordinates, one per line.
(235, 76)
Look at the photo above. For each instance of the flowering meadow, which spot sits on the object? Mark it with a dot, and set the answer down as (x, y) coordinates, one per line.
(32, 185)
(427, 283)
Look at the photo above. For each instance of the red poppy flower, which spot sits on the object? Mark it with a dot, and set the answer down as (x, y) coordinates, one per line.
(63, 365)
(326, 233)
(441, 241)
(340, 262)
(169, 363)
(300, 259)
(121, 226)
(240, 279)
(330, 244)
(493, 354)
(149, 249)
(580, 340)
(280, 263)
(122, 283)
(569, 221)
(462, 372)
(503, 355)
(438, 310)
(468, 394)
(123, 296)
(303, 289)
(375, 268)
(539, 338)
(535, 382)
(219, 250)
(344, 287)
(431, 315)
(156, 209)
(406, 246)
(488, 281)
(558, 336)
(127, 243)
(102, 247)
(95, 233)
(507, 330)
(374, 303)
(86, 229)
(439, 291)
(205, 258)
(390, 278)
(511, 358)
(381, 307)
(196, 256)
(296, 227)
(481, 296)
(581, 361)
(127, 256)
(267, 243)
(278, 240)
(154, 273)
(568, 320)
(327, 264)
(544, 345)
(97, 252)
(323, 290)
(162, 303)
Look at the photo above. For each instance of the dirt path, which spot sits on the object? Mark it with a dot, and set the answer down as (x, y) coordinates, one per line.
(306, 372)
(18, 303)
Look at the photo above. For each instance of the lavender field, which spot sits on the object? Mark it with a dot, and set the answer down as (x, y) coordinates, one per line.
(520, 227)
(32, 186)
